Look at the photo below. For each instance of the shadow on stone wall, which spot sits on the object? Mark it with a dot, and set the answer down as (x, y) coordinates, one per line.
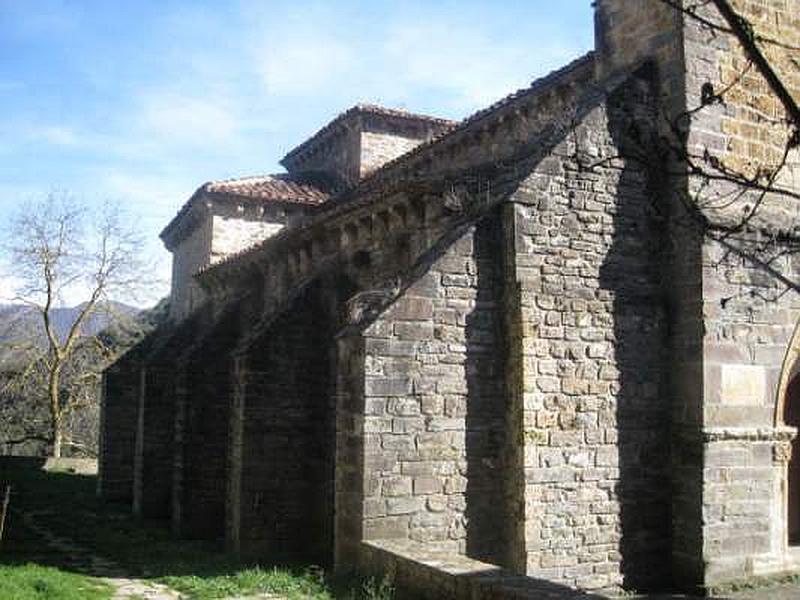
(206, 432)
(486, 510)
(632, 273)
(288, 440)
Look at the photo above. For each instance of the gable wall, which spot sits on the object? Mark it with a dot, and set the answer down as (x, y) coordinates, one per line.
(232, 234)
(336, 158)
(378, 148)
(192, 254)
(223, 229)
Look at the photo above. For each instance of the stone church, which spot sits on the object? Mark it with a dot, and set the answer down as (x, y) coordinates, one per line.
(550, 347)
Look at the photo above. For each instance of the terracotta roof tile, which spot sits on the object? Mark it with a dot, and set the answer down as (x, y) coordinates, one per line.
(272, 188)
(261, 189)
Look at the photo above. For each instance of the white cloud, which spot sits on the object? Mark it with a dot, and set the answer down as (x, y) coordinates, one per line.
(472, 68)
(8, 288)
(19, 132)
(172, 117)
(464, 65)
(307, 62)
(188, 109)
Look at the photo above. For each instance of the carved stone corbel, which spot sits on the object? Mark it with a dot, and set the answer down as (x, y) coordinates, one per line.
(782, 452)
(370, 303)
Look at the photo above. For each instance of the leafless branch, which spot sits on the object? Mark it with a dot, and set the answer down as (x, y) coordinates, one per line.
(57, 247)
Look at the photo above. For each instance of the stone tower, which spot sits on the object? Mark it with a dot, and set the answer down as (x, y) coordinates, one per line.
(223, 218)
(727, 342)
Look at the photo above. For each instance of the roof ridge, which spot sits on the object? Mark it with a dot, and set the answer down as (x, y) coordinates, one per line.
(399, 112)
(277, 187)
(336, 202)
(536, 85)
(368, 108)
(245, 178)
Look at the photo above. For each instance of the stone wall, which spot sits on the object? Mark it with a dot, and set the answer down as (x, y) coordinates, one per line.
(349, 484)
(287, 467)
(379, 148)
(731, 309)
(628, 33)
(155, 477)
(422, 573)
(204, 392)
(193, 254)
(434, 405)
(590, 360)
(576, 384)
(118, 418)
(337, 166)
(750, 318)
(232, 234)
(222, 228)
(750, 306)
(357, 142)
(204, 474)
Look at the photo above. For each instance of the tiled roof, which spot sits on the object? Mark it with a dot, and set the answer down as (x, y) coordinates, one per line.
(261, 189)
(343, 199)
(442, 124)
(469, 122)
(396, 112)
(276, 188)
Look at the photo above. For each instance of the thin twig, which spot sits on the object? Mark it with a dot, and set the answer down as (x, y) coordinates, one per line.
(4, 512)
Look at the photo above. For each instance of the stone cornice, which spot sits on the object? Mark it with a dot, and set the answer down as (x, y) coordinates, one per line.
(738, 434)
(521, 126)
(186, 222)
(750, 434)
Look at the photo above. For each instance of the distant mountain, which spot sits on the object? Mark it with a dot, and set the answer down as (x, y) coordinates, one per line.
(117, 325)
(23, 322)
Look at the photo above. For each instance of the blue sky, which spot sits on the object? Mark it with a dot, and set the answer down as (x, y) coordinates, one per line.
(140, 102)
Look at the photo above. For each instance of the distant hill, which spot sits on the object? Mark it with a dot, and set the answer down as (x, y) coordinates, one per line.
(118, 324)
(23, 321)
(23, 410)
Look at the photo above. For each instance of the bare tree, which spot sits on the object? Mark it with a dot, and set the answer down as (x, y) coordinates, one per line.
(58, 247)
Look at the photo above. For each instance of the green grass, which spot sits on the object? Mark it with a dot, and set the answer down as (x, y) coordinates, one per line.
(275, 580)
(294, 585)
(35, 582)
(67, 504)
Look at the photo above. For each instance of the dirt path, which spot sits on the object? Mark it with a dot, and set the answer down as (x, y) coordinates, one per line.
(73, 556)
(84, 561)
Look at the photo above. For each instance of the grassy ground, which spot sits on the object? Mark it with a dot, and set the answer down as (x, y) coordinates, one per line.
(67, 505)
(35, 582)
